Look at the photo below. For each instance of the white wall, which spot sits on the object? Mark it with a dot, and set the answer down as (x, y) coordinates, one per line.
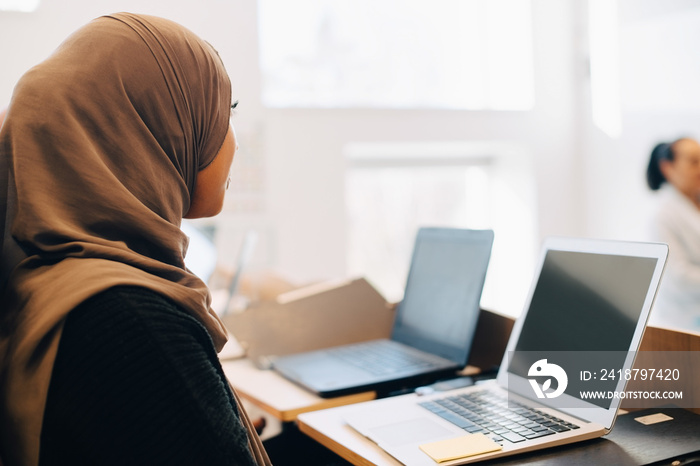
(303, 216)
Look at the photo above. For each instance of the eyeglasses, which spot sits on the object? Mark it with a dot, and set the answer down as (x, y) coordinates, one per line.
(234, 105)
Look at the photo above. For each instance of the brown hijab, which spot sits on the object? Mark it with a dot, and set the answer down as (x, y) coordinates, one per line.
(100, 150)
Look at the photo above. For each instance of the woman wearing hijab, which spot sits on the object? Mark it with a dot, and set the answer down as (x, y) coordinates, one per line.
(107, 342)
(674, 170)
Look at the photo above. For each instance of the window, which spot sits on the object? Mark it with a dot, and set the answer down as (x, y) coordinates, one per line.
(392, 189)
(453, 54)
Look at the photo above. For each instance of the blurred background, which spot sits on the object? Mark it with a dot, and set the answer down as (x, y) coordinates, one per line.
(361, 120)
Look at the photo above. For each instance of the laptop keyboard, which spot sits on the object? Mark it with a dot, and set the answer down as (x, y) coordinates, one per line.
(381, 357)
(494, 416)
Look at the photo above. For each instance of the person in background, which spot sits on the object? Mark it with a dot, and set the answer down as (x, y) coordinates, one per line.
(674, 171)
(108, 344)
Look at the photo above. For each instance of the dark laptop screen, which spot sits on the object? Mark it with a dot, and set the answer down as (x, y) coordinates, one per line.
(441, 303)
(587, 303)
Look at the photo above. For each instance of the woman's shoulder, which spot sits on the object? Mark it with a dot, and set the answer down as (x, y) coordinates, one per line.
(128, 302)
(129, 296)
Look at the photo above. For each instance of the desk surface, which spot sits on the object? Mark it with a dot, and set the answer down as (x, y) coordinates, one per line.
(283, 399)
(278, 396)
(286, 401)
(629, 443)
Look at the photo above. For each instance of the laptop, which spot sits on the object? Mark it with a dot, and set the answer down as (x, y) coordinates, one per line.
(584, 318)
(432, 331)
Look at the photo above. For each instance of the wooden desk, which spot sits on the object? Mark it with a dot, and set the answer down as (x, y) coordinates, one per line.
(630, 443)
(278, 396)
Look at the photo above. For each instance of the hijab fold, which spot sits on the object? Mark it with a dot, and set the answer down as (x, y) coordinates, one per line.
(100, 151)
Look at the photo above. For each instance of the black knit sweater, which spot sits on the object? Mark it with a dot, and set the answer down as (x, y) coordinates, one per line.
(137, 382)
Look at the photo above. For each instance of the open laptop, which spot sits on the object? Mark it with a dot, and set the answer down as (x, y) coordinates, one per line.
(586, 311)
(432, 332)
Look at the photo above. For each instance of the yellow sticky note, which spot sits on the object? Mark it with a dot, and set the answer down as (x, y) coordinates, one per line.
(460, 447)
(653, 419)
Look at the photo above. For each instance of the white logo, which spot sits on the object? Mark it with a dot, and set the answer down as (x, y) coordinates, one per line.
(542, 368)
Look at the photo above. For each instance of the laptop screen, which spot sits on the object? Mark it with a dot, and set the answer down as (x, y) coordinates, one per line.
(440, 308)
(584, 302)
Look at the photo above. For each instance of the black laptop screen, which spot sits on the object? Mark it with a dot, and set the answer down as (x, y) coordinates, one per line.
(585, 303)
(441, 303)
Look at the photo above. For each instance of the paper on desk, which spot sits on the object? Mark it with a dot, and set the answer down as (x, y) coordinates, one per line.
(460, 447)
(653, 419)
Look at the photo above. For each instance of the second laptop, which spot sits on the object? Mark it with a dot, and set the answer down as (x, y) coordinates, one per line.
(432, 332)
